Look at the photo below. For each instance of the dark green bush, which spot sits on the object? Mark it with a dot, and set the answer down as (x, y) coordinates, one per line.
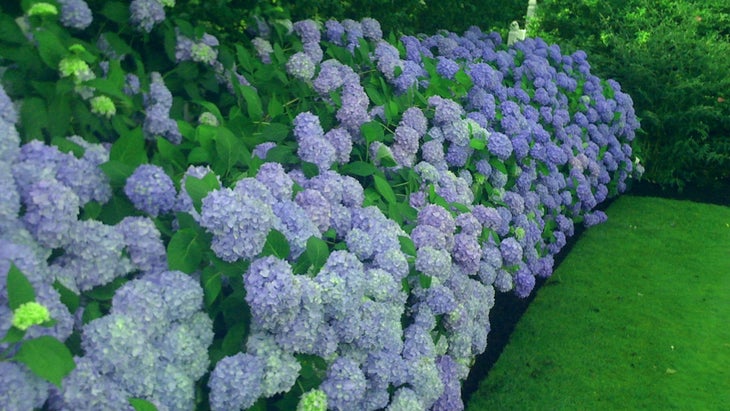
(672, 57)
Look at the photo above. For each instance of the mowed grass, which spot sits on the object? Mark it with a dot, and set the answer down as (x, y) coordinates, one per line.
(637, 317)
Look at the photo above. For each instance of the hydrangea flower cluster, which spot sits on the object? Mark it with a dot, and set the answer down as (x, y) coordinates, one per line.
(153, 345)
(157, 120)
(522, 145)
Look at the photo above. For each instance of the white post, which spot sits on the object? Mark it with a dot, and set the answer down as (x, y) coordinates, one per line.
(517, 34)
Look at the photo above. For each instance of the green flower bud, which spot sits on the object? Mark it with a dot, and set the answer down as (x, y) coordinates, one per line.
(74, 66)
(520, 233)
(314, 400)
(103, 106)
(77, 48)
(43, 9)
(208, 118)
(203, 53)
(29, 314)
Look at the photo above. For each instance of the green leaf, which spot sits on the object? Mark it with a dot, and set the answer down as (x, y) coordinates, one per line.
(233, 341)
(372, 131)
(317, 252)
(425, 281)
(276, 245)
(477, 144)
(406, 245)
(253, 102)
(359, 168)
(106, 292)
(212, 285)
(14, 335)
(383, 187)
(33, 117)
(117, 12)
(275, 132)
(229, 150)
(50, 48)
(129, 149)
(70, 299)
(20, 290)
(117, 171)
(47, 357)
(92, 312)
(198, 188)
(184, 252)
(140, 404)
(275, 108)
(385, 157)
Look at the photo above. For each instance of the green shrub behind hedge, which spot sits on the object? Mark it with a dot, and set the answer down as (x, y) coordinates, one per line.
(673, 58)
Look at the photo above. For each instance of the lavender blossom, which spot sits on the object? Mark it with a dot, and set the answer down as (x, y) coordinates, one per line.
(301, 66)
(75, 14)
(236, 382)
(345, 384)
(145, 14)
(151, 190)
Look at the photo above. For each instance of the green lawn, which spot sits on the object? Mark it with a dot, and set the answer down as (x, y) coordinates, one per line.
(636, 317)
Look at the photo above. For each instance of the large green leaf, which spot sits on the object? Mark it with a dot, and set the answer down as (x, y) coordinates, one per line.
(384, 188)
(46, 357)
(198, 188)
(317, 252)
(20, 290)
(129, 149)
(276, 245)
(184, 252)
(140, 404)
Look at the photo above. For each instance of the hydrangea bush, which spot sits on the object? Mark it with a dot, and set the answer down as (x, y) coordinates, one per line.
(318, 218)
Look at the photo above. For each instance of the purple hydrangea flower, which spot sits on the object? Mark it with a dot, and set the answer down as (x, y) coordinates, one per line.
(450, 399)
(316, 206)
(144, 244)
(301, 66)
(145, 14)
(511, 251)
(87, 387)
(467, 252)
(273, 176)
(263, 49)
(239, 223)
(499, 145)
(151, 190)
(433, 262)
(51, 212)
(447, 110)
(371, 29)
(20, 389)
(262, 149)
(345, 384)
(75, 14)
(308, 31)
(271, 292)
(7, 109)
(334, 32)
(437, 216)
(236, 382)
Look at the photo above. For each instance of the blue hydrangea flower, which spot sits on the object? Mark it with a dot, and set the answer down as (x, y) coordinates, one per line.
(263, 49)
(21, 389)
(145, 14)
(271, 292)
(450, 399)
(151, 190)
(499, 145)
(51, 212)
(334, 32)
(281, 368)
(316, 206)
(437, 216)
(88, 388)
(405, 399)
(511, 251)
(236, 382)
(345, 384)
(467, 252)
(8, 113)
(330, 77)
(433, 262)
(239, 223)
(447, 110)
(75, 14)
(308, 31)
(295, 224)
(300, 66)
(145, 247)
(371, 29)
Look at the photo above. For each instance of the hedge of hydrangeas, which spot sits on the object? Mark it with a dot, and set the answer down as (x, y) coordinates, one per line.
(316, 219)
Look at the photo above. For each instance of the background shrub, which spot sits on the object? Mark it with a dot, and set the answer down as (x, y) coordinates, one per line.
(672, 57)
